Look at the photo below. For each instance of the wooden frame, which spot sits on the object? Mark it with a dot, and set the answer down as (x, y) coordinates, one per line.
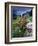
(7, 22)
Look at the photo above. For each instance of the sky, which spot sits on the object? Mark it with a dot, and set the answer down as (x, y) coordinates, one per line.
(20, 10)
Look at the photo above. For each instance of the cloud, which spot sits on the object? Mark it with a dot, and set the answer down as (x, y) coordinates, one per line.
(20, 10)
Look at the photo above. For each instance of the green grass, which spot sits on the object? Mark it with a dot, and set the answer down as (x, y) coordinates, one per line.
(17, 31)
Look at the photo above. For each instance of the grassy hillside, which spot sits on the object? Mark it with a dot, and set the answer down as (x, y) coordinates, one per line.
(19, 26)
